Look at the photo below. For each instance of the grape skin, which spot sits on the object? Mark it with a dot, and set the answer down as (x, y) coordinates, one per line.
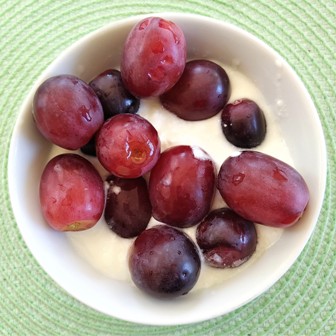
(115, 99)
(67, 111)
(181, 186)
(128, 146)
(90, 147)
(71, 193)
(128, 209)
(154, 57)
(227, 240)
(200, 93)
(243, 123)
(113, 95)
(263, 189)
(164, 262)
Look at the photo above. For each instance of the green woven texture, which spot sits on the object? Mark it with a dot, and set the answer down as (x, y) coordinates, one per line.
(33, 33)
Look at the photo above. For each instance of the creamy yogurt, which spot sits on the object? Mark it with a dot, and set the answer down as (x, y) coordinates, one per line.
(108, 253)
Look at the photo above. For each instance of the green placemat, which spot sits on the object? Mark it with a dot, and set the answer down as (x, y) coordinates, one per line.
(33, 33)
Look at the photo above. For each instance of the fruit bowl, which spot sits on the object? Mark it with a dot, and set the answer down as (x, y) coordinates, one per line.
(295, 134)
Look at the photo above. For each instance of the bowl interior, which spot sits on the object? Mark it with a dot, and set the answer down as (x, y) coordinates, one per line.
(301, 131)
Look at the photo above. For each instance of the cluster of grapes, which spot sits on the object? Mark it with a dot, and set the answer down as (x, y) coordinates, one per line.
(100, 119)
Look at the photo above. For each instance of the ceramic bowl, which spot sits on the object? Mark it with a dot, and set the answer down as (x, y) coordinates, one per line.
(298, 131)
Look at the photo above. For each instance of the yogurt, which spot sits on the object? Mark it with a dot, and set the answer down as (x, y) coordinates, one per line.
(108, 253)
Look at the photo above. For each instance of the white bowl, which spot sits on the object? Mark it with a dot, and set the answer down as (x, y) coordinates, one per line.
(301, 134)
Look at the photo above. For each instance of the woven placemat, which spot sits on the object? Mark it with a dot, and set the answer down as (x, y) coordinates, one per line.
(33, 33)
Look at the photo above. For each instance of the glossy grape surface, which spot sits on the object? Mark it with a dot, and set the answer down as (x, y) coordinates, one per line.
(263, 189)
(181, 186)
(72, 194)
(128, 209)
(164, 262)
(127, 145)
(113, 95)
(200, 93)
(243, 123)
(154, 57)
(67, 111)
(226, 239)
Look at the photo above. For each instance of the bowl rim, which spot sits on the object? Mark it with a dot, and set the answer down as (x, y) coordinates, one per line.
(128, 22)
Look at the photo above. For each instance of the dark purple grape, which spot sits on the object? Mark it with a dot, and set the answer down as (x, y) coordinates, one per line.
(200, 93)
(128, 209)
(113, 95)
(226, 239)
(164, 262)
(243, 123)
(90, 147)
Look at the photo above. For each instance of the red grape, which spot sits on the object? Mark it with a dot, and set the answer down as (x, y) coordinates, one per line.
(113, 95)
(201, 92)
(227, 240)
(243, 123)
(164, 262)
(128, 209)
(71, 193)
(181, 186)
(67, 111)
(115, 99)
(128, 145)
(263, 189)
(154, 57)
